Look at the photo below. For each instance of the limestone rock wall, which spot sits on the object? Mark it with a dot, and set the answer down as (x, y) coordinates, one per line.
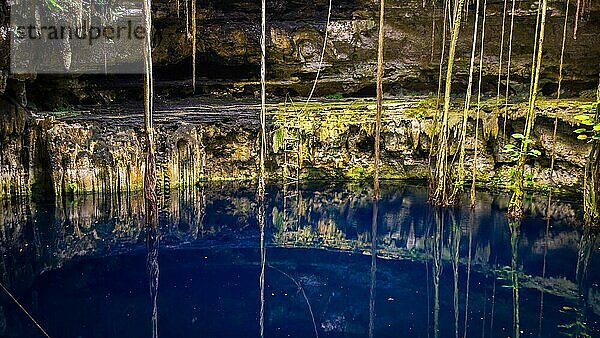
(55, 155)
(228, 51)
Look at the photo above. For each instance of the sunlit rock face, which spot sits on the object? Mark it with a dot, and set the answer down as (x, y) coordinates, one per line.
(103, 150)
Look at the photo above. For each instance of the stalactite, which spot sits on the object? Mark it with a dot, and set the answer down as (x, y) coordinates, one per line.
(478, 113)
(516, 203)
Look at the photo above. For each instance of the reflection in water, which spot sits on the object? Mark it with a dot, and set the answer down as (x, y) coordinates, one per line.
(546, 242)
(514, 227)
(454, 247)
(466, 326)
(153, 245)
(209, 254)
(438, 218)
(300, 289)
(373, 283)
(579, 327)
(263, 251)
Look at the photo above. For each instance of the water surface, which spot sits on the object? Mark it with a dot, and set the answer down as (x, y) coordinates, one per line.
(87, 267)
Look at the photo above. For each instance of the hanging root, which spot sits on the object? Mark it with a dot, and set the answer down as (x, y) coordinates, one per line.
(463, 136)
(577, 13)
(194, 45)
(476, 150)
(439, 92)
(432, 30)
(379, 91)
(562, 53)
(510, 40)
(515, 211)
(501, 52)
(443, 191)
(322, 57)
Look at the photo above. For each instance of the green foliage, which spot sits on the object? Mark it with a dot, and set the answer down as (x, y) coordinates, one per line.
(54, 5)
(515, 151)
(277, 139)
(590, 130)
(72, 187)
(529, 180)
(577, 328)
(336, 96)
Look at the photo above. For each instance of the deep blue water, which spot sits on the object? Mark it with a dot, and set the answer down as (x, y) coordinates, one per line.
(89, 268)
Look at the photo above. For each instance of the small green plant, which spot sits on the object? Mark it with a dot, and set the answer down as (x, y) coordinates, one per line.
(72, 187)
(278, 139)
(514, 151)
(591, 129)
(336, 96)
(529, 180)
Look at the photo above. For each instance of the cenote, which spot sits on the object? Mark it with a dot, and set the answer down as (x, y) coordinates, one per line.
(88, 267)
(284, 168)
